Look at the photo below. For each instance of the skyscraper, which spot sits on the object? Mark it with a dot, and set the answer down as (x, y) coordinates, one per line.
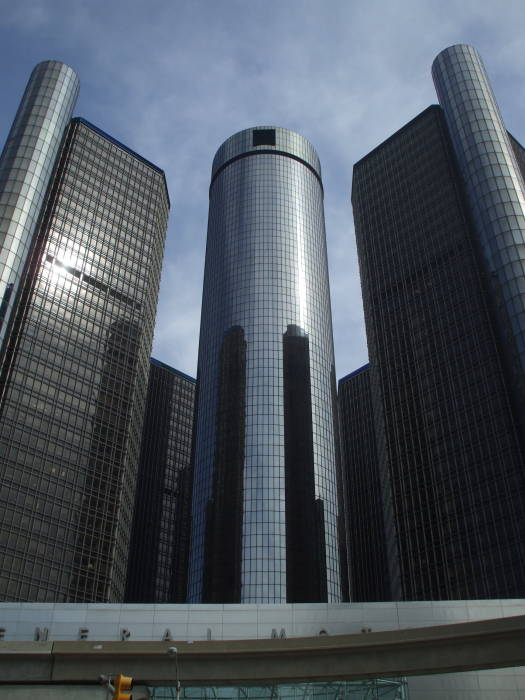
(157, 569)
(264, 493)
(74, 386)
(440, 240)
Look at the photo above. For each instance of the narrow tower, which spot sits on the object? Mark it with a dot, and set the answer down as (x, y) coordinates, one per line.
(26, 166)
(264, 495)
(489, 161)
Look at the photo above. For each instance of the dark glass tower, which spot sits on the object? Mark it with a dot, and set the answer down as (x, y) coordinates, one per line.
(158, 561)
(443, 381)
(74, 389)
(264, 495)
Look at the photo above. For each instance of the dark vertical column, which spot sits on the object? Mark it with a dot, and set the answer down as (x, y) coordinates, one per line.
(184, 526)
(368, 573)
(181, 541)
(145, 533)
(305, 541)
(223, 553)
(342, 505)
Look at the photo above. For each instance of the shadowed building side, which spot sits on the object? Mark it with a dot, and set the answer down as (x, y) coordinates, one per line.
(450, 462)
(368, 572)
(157, 565)
(305, 550)
(222, 582)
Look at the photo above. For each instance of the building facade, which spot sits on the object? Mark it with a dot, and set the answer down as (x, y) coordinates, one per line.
(264, 495)
(443, 389)
(367, 572)
(158, 560)
(74, 389)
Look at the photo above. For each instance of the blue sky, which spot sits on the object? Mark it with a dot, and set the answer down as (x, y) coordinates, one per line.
(174, 78)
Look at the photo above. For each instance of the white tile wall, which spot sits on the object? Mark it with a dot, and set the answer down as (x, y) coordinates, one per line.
(188, 622)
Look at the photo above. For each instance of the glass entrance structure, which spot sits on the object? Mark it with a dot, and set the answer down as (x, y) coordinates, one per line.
(373, 689)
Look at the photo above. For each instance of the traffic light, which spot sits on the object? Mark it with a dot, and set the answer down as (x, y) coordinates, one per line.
(122, 683)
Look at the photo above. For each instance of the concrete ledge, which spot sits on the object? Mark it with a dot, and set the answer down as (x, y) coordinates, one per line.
(28, 662)
(425, 650)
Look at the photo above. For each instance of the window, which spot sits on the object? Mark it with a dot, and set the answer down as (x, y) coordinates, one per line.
(264, 137)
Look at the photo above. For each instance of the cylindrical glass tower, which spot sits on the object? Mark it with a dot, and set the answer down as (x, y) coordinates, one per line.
(494, 186)
(26, 164)
(264, 497)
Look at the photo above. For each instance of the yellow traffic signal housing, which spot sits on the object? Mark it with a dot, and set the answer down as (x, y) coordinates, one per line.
(122, 683)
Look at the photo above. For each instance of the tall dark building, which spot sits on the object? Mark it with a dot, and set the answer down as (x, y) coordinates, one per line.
(440, 231)
(160, 535)
(265, 502)
(73, 386)
(368, 574)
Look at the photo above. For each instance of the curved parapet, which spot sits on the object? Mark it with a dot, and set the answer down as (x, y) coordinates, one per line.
(266, 139)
